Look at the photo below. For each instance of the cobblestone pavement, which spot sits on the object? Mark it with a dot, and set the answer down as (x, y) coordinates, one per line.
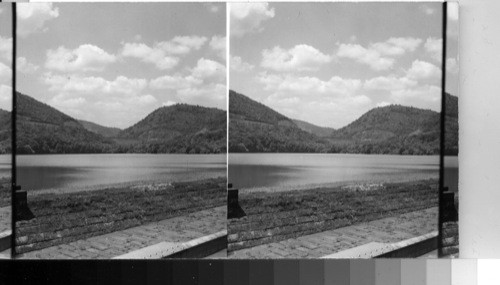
(388, 230)
(178, 229)
(5, 219)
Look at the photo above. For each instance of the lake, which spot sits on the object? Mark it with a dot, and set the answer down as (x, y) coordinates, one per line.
(5, 162)
(83, 171)
(285, 170)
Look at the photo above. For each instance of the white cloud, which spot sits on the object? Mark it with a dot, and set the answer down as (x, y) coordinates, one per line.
(218, 44)
(425, 96)
(155, 56)
(237, 64)
(428, 10)
(6, 49)
(306, 84)
(32, 17)
(383, 104)
(248, 17)
(86, 57)
(453, 11)
(164, 55)
(434, 47)
(182, 44)
(5, 73)
(175, 82)
(423, 70)
(300, 57)
(206, 69)
(389, 83)
(397, 46)
(168, 103)
(5, 97)
(26, 67)
(452, 65)
(91, 84)
(212, 7)
(370, 57)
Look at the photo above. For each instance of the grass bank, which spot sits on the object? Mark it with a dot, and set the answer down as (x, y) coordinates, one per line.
(273, 217)
(5, 192)
(63, 218)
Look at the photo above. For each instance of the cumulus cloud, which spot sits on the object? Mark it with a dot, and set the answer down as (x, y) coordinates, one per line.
(175, 82)
(121, 84)
(5, 73)
(434, 47)
(6, 49)
(156, 56)
(452, 65)
(305, 84)
(206, 69)
(237, 64)
(453, 11)
(26, 67)
(218, 44)
(212, 7)
(397, 46)
(425, 96)
(370, 57)
(300, 57)
(428, 10)
(5, 97)
(32, 17)
(248, 17)
(182, 44)
(423, 70)
(389, 83)
(164, 55)
(86, 57)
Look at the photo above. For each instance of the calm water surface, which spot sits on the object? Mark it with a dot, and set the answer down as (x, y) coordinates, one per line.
(5, 162)
(272, 169)
(83, 170)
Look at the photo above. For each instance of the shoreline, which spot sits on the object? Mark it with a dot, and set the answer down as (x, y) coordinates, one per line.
(61, 218)
(276, 216)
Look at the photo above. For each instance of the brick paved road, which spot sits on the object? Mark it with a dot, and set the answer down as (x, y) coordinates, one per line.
(178, 229)
(388, 230)
(5, 219)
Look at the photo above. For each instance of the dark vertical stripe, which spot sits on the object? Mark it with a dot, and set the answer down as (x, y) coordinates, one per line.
(312, 272)
(261, 272)
(13, 199)
(211, 272)
(236, 272)
(442, 137)
(337, 272)
(286, 272)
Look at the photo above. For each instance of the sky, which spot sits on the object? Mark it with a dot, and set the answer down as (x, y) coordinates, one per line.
(113, 64)
(328, 63)
(5, 56)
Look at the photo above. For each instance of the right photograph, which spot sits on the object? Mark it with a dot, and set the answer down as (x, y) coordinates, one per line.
(335, 116)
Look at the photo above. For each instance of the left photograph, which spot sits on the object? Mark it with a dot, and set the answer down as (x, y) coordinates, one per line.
(121, 130)
(5, 128)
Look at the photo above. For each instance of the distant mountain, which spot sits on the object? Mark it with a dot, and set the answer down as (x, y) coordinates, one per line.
(107, 132)
(43, 129)
(5, 131)
(176, 129)
(254, 127)
(451, 125)
(179, 128)
(313, 129)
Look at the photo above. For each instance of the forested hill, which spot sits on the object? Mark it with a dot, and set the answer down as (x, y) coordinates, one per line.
(313, 129)
(107, 132)
(43, 129)
(451, 125)
(180, 128)
(5, 131)
(176, 129)
(254, 127)
(393, 129)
